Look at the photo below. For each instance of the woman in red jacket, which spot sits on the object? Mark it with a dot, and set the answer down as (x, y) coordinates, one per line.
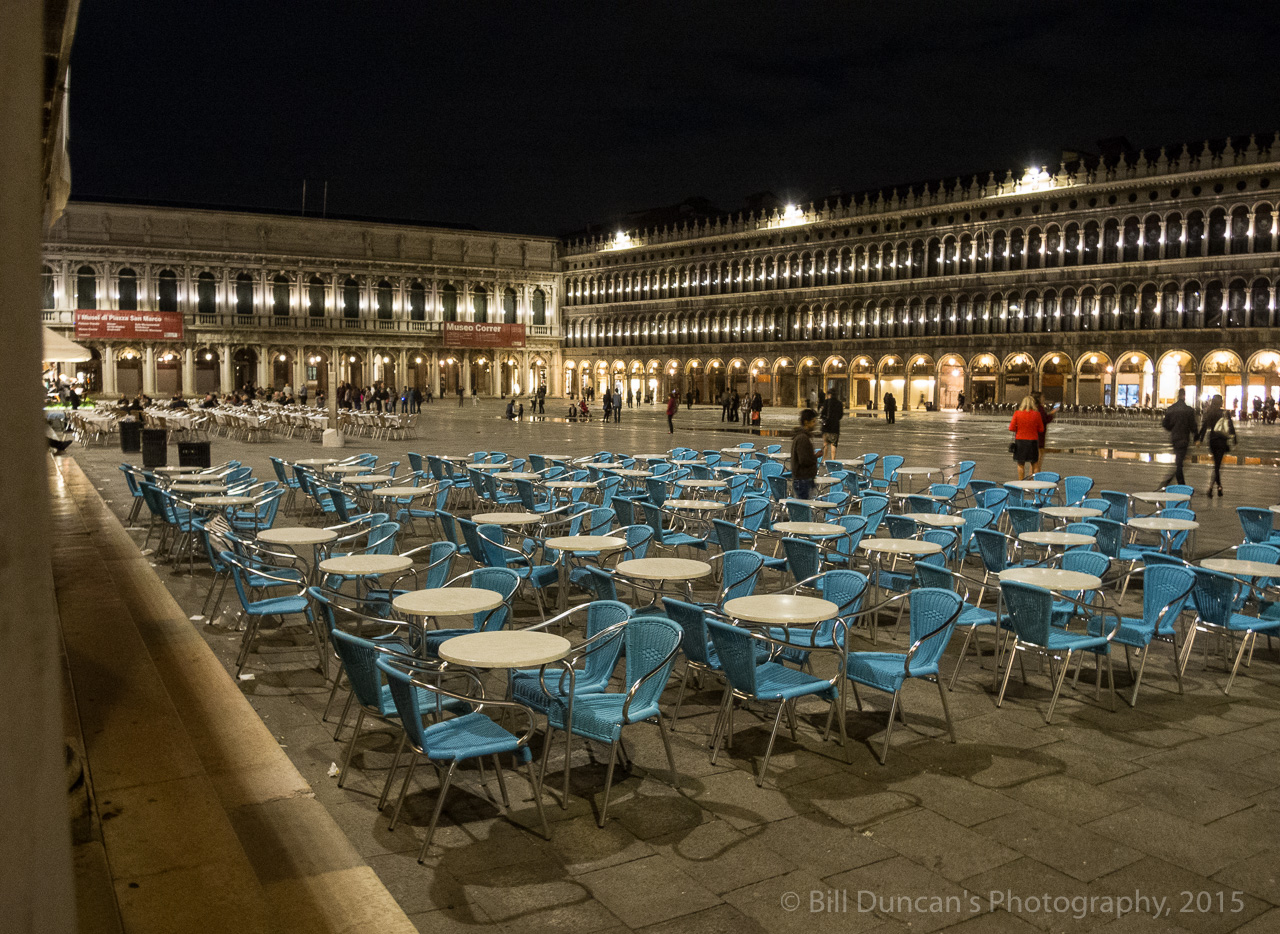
(673, 406)
(1027, 426)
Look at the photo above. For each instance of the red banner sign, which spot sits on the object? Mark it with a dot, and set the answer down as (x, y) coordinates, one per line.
(128, 325)
(474, 334)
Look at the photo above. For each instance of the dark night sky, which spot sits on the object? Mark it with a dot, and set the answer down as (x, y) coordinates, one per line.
(541, 118)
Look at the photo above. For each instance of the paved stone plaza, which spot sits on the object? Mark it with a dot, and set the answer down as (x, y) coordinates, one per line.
(1174, 801)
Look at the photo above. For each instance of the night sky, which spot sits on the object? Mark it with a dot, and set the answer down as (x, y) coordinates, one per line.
(544, 118)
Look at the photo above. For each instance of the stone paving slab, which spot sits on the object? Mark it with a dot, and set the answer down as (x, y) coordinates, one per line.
(1156, 798)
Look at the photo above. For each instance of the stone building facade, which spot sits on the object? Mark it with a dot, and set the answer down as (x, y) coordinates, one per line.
(1115, 283)
(270, 300)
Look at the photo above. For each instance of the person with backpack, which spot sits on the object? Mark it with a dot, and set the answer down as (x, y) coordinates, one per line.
(1217, 424)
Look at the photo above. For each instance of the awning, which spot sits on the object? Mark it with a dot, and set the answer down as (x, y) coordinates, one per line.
(58, 349)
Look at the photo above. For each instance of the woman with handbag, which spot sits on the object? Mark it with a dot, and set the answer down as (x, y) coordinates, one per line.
(1217, 424)
(1027, 426)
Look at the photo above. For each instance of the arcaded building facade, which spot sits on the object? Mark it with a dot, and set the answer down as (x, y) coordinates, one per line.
(1103, 283)
(271, 300)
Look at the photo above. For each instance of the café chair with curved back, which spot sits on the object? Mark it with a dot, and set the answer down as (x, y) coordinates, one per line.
(933, 616)
(1030, 622)
(1217, 598)
(447, 742)
(1075, 489)
(439, 565)
(1074, 602)
(750, 680)
(651, 644)
(971, 616)
(873, 508)
(1165, 591)
(277, 605)
(1257, 525)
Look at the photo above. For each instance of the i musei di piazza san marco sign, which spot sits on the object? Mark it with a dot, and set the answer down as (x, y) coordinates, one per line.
(475, 334)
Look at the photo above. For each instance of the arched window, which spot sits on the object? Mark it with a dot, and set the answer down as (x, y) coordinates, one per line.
(127, 284)
(206, 294)
(1151, 237)
(1035, 248)
(1240, 230)
(1092, 243)
(479, 304)
(417, 302)
(999, 251)
(1173, 236)
(1217, 232)
(1213, 304)
(351, 299)
(1071, 246)
(539, 307)
(1260, 304)
(167, 291)
(244, 294)
(1262, 222)
(509, 306)
(1015, 249)
(46, 287)
(86, 288)
(315, 297)
(1131, 235)
(1195, 233)
(1111, 241)
(1236, 300)
(280, 296)
(449, 303)
(384, 299)
(1052, 247)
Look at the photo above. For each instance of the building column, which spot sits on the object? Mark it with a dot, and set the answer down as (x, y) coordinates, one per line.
(148, 370)
(108, 355)
(263, 379)
(299, 369)
(434, 375)
(225, 374)
(465, 367)
(188, 371)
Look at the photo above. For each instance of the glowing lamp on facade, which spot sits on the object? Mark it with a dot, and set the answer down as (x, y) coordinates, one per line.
(208, 356)
(352, 359)
(282, 358)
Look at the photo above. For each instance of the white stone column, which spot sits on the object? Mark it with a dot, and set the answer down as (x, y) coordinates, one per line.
(188, 371)
(434, 375)
(109, 384)
(466, 372)
(149, 370)
(226, 376)
(299, 369)
(265, 367)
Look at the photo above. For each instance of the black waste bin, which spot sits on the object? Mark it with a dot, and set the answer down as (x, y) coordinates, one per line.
(193, 454)
(130, 436)
(155, 448)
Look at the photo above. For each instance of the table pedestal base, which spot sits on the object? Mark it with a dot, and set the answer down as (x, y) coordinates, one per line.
(333, 438)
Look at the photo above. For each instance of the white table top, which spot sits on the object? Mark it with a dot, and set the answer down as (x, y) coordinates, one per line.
(937, 520)
(179, 469)
(1032, 485)
(812, 529)
(782, 609)
(404, 492)
(900, 546)
(601, 465)
(347, 468)
(1071, 512)
(506, 518)
(587, 543)
(296, 535)
(918, 471)
(1160, 496)
(702, 484)
(198, 487)
(373, 479)
(505, 466)
(1066, 539)
(735, 470)
(222, 501)
(365, 565)
(651, 457)
(447, 601)
(632, 472)
(456, 458)
(737, 450)
(1239, 568)
(664, 569)
(518, 475)
(695, 505)
(568, 484)
(812, 503)
(505, 648)
(1160, 524)
(779, 455)
(1275, 509)
(1052, 578)
(317, 461)
(824, 481)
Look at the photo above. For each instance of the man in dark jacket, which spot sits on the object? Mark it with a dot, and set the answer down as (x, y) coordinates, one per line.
(1180, 422)
(804, 461)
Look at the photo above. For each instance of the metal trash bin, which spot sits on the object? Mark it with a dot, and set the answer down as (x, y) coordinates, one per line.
(130, 436)
(193, 454)
(155, 448)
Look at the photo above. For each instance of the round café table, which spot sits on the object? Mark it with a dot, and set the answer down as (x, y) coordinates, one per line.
(910, 472)
(293, 537)
(361, 567)
(434, 603)
(936, 520)
(660, 571)
(1049, 540)
(1032, 486)
(506, 518)
(694, 505)
(733, 470)
(518, 475)
(602, 465)
(781, 609)
(568, 545)
(504, 648)
(208, 489)
(894, 548)
(317, 461)
(499, 467)
(178, 470)
(630, 473)
(1055, 579)
(372, 479)
(1070, 513)
(1237, 567)
(779, 456)
(346, 469)
(701, 484)
(1166, 527)
(1160, 497)
(222, 502)
(810, 529)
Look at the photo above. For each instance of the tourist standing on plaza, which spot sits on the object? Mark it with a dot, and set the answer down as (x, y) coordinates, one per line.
(832, 412)
(960, 402)
(606, 404)
(724, 406)
(1217, 424)
(735, 404)
(673, 406)
(890, 408)
(459, 395)
(1180, 422)
(804, 460)
(1046, 416)
(757, 405)
(617, 406)
(688, 399)
(1027, 426)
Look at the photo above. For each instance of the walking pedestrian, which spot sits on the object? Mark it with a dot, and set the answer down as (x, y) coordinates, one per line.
(688, 399)
(757, 406)
(1180, 422)
(724, 406)
(673, 406)
(1026, 426)
(804, 460)
(1046, 416)
(617, 406)
(606, 404)
(890, 408)
(832, 412)
(1217, 424)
